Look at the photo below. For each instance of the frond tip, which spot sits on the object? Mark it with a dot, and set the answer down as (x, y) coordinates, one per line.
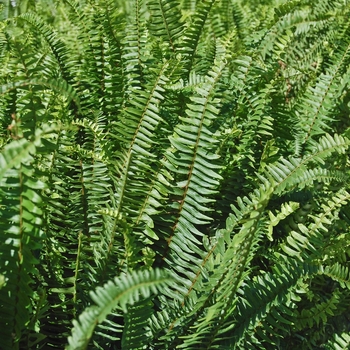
(125, 289)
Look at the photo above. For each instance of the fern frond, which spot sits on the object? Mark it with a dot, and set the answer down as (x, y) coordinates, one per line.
(136, 133)
(318, 314)
(206, 316)
(339, 273)
(192, 34)
(339, 342)
(122, 292)
(165, 22)
(58, 85)
(318, 104)
(205, 138)
(21, 150)
(237, 257)
(288, 173)
(21, 224)
(57, 47)
(136, 333)
(264, 315)
(192, 142)
(307, 243)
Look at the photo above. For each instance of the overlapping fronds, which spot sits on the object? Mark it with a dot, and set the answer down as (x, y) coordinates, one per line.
(287, 173)
(205, 139)
(307, 242)
(56, 45)
(192, 34)
(165, 22)
(192, 161)
(265, 312)
(22, 221)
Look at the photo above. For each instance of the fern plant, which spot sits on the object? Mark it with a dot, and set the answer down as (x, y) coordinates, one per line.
(174, 175)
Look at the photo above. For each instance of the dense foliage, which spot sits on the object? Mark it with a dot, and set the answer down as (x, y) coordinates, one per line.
(174, 174)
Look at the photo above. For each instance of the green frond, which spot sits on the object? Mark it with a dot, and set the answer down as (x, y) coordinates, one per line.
(288, 173)
(252, 110)
(206, 139)
(206, 317)
(122, 292)
(57, 85)
(319, 314)
(191, 35)
(325, 146)
(307, 242)
(57, 47)
(237, 257)
(101, 69)
(339, 342)
(136, 133)
(318, 104)
(22, 150)
(136, 334)
(165, 23)
(286, 210)
(21, 221)
(189, 158)
(266, 305)
(134, 51)
(338, 273)
(240, 19)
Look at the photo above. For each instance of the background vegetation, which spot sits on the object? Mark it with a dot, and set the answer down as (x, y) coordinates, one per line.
(174, 174)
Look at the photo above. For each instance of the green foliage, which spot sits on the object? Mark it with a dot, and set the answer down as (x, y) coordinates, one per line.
(124, 290)
(174, 174)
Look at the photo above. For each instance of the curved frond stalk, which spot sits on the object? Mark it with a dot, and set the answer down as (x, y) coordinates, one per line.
(288, 173)
(221, 301)
(57, 47)
(122, 292)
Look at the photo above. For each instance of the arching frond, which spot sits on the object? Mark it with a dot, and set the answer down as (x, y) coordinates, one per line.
(123, 291)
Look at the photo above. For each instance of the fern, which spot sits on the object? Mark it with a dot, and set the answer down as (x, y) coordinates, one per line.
(123, 291)
(22, 218)
(166, 23)
(339, 341)
(196, 149)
